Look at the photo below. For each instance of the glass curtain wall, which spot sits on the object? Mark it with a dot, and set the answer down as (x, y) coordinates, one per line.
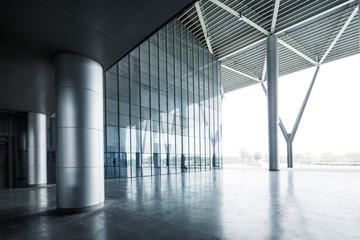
(163, 108)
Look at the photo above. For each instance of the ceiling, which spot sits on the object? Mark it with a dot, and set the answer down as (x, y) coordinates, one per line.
(236, 32)
(34, 31)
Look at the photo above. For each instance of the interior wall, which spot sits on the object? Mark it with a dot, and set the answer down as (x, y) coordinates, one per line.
(13, 134)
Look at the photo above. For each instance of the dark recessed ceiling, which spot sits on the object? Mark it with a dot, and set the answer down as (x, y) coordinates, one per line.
(33, 32)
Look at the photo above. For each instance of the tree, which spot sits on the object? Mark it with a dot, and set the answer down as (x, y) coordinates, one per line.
(245, 156)
(257, 156)
(353, 156)
(328, 157)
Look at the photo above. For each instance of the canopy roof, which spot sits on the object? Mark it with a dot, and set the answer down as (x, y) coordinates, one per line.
(310, 32)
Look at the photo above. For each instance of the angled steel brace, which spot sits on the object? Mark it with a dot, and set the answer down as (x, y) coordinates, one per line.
(243, 49)
(339, 34)
(283, 130)
(254, 25)
(264, 88)
(296, 51)
(226, 8)
(276, 10)
(240, 73)
(240, 16)
(298, 119)
(203, 26)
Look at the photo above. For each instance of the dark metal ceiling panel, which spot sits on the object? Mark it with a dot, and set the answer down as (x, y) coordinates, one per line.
(34, 31)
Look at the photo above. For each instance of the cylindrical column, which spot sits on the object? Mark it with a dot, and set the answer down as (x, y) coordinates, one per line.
(80, 137)
(272, 87)
(36, 149)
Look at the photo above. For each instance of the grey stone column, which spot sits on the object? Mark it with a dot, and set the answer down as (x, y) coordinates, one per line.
(36, 149)
(272, 87)
(80, 137)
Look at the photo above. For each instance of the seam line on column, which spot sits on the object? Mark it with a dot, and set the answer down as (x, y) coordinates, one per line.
(84, 128)
(89, 89)
(82, 167)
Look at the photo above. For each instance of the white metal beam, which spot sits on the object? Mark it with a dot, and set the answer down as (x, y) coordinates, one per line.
(296, 51)
(202, 22)
(241, 17)
(226, 8)
(240, 73)
(276, 10)
(243, 49)
(286, 29)
(254, 25)
(339, 34)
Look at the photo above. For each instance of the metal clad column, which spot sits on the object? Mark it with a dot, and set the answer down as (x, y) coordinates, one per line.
(80, 138)
(36, 149)
(272, 86)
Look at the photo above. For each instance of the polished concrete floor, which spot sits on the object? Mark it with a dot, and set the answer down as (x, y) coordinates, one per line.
(222, 204)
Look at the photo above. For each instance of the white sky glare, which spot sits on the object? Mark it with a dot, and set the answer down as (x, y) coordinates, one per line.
(330, 123)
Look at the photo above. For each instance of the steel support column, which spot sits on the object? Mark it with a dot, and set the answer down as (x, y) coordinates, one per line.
(80, 134)
(272, 88)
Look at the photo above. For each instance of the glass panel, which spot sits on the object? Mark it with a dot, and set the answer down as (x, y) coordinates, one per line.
(125, 139)
(111, 105)
(124, 67)
(112, 139)
(124, 89)
(112, 119)
(123, 165)
(172, 163)
(113, 170)
(136, 165)
(154, 99)
(145, 96)
(124, 108)
(145, 136)
(146, 164)
(111, 86)
(163, 143)
(178, 163)
(156, 164)
(164, 164)
(135, 93)
(135, 140)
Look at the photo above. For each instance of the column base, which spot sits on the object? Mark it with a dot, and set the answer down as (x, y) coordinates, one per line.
(81, 209)
(274, 170)
(37, 185)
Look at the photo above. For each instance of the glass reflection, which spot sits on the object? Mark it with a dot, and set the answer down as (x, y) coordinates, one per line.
(163, 108)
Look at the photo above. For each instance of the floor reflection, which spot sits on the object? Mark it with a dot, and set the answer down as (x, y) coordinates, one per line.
(221, 204)
(275, 210)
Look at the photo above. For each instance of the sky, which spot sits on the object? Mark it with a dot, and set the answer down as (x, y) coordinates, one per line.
(330, 123)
